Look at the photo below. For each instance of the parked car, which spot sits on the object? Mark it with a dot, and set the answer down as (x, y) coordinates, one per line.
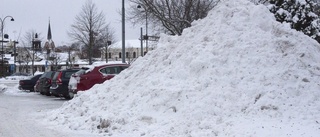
(60, 81)
(28, 84)
(86, 77)
(45, 83)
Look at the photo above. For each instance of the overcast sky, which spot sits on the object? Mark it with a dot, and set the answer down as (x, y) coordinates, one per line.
(35, 14)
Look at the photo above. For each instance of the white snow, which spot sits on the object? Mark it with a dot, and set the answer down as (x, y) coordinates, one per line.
(237, 72)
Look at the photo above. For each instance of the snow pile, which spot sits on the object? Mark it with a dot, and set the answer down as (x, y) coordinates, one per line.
(237, 72)
(12, 89)
(3, 88)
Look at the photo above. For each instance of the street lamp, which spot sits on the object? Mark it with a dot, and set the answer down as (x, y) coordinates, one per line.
(146, 36)
(123, 33)
(2, 52)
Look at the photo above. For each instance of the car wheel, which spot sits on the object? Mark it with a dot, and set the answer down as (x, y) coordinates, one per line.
(48, 94)
(69, 96)
(56, 96)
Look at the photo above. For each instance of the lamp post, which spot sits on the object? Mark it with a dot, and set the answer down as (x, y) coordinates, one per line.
(2, 52)
(15, 54)
(123, 34)
(146, 36)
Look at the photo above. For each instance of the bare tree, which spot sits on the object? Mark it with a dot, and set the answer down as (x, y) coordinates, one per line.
(28, 54)
(28, 37)
(107, 34)
(54, 61)
(173, 15)
(89, 24)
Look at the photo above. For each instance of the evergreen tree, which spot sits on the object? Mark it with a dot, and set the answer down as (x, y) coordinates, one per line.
(299, 13)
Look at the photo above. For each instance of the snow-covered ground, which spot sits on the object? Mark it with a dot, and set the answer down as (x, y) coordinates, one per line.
(19, 110)
(235, 73)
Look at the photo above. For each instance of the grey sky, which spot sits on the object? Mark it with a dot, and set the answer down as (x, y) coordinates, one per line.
(35, 14)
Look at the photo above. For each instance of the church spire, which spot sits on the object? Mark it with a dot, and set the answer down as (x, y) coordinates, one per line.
(49, 37)
(49, 45)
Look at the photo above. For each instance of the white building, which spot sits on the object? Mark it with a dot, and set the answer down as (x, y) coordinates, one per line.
(133, 50)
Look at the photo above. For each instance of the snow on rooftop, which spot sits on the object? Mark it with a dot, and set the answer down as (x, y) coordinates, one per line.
(237, 72)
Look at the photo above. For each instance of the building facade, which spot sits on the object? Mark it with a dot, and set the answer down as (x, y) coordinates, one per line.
(133, 50)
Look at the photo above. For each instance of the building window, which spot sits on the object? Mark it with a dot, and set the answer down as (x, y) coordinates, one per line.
(127, 54)
(109, 55)
(119, 54)
(134, 55)
(145, 53)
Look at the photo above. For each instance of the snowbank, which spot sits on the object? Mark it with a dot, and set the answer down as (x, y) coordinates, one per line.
(237, 72)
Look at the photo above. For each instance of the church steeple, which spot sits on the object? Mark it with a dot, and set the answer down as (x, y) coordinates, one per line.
(49, 37)
(49, 45)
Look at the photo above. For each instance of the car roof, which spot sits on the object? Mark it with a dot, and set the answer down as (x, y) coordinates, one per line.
(72, 69)
(90, 67)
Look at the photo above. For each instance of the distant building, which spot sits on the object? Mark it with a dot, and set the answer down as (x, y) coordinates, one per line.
(42, 59)
(132, 50)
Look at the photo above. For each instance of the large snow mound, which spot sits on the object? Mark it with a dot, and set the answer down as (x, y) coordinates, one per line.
(237, 72)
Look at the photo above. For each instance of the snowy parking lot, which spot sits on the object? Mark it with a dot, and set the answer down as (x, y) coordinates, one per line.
(236, 73)
(19, 115)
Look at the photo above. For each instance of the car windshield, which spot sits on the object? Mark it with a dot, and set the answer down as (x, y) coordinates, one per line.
(113, 69)
(47, 74)
(33, 77)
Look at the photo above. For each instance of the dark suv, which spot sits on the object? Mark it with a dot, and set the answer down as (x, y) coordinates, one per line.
(45, 83)
(60, 81)
(87, 77)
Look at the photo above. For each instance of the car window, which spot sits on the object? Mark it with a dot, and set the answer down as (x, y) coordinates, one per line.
(68, 74)
(56, 75)
(107, 70)
(113, 69)
(48, 75)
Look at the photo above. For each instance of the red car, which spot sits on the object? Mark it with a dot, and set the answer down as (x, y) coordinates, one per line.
(86, 77)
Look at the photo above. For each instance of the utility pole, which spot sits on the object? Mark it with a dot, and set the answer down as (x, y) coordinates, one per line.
(141, 40)
(15, 55)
